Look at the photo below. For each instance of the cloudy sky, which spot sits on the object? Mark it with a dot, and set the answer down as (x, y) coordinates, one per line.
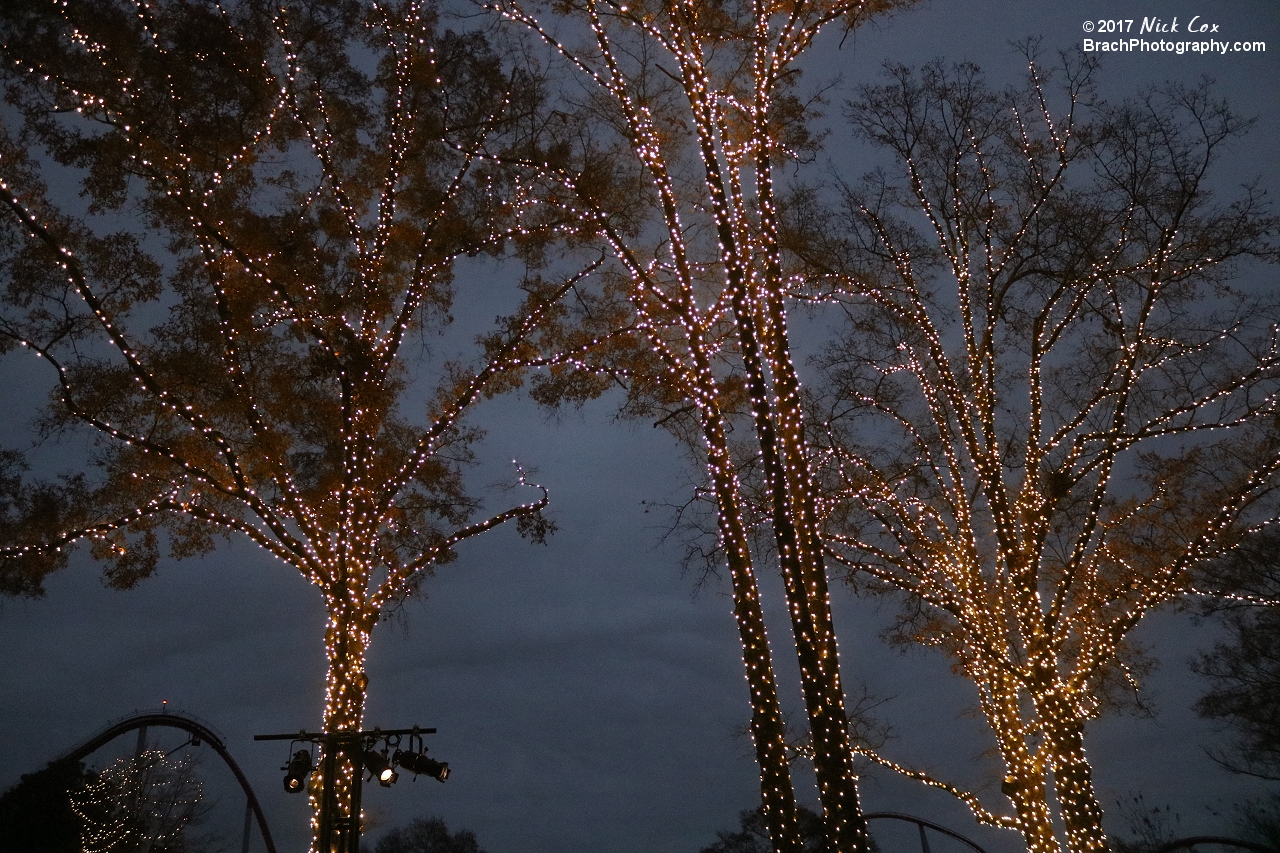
(589, 694)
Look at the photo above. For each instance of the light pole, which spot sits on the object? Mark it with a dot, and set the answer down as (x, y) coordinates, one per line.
(339, 832)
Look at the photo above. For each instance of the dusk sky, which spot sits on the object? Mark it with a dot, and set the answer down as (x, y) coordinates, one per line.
(589, 694)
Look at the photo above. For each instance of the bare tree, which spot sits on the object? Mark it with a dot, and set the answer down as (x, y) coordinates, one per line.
(238, 307)
(705, 98)
(428, 835)
(149, 803)
(1051, 403)
(1245, 671)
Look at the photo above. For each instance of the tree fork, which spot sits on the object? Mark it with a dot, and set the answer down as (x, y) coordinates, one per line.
(819, 665)
(1023, 783)
(837, 763)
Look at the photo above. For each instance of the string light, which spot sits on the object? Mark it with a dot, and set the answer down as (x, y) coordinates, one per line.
(146, 800)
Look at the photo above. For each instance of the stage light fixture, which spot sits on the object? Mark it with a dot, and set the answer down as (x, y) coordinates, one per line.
(377, 764)
(419, 764)
(295, 778)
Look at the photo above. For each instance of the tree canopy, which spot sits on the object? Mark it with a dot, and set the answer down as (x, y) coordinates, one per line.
(427, 835)
(36, 813)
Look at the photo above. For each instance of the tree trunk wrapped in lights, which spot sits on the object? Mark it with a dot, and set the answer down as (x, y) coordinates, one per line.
(274, 199)
(1052, 403)
(602, 341)
(777, 795)
(704, 96)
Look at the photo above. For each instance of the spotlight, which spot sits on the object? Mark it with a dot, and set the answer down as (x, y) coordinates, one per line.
(417, 763)
(377, 764)
(295, 779)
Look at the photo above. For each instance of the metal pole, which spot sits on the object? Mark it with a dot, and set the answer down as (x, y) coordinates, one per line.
(248, 825)
(338, 832)
(356, 746)
(340, 829)
(328, 796)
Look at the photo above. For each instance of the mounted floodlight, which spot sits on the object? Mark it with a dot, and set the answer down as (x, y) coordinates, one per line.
(377, 764)
(295, 777)
(419, 764)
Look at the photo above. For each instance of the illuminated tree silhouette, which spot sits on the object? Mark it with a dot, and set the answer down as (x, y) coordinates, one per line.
(1051, 403)
(145, 804)
(236, 309)
(704, 96)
